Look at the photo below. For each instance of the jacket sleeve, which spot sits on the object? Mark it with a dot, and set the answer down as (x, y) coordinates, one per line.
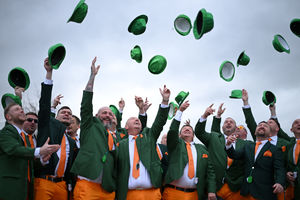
(235, 154)
(159, 122)
(143, 120)
(211, 177)
(215, 127)
(86, 110)
(172, 136)
(201, 134)
(250, 121)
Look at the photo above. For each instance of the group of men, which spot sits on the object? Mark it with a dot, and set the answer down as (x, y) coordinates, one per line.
(111, 162)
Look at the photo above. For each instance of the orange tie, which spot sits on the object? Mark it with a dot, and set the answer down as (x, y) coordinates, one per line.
(191, 172)
(110, 141)
(25, 144)
(62, 160)
(31, 141)
(136, 159)
(270, 139)
(74, 138)
(229, 161)
(297, 151)
(158, 152)
(256, 147)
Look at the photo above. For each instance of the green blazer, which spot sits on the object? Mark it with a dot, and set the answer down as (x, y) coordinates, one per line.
(178, 159)
(14, 157)
(146, 145)
(265, 170)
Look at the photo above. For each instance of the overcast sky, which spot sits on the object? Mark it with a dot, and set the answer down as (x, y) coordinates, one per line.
(29, 28)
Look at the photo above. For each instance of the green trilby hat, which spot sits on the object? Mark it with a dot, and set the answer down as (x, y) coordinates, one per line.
(236, 94)
(115, 110)
(18, 77)
(243, 59)
(280, 44)
(79, 12)
(227, 71)
(181, 97)
(138, 25)
(157, 64)
(203, 23)
(172, 111)
(8, 99)
(136, 54)
(268, 98)
(56, 55)
(183, 25)
(295, 26)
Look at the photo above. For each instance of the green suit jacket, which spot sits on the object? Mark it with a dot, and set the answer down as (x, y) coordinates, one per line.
(178, 159)
(146, 145)
(14, 157)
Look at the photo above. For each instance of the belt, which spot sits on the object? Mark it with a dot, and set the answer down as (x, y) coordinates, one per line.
(51, 178)
(180, 188)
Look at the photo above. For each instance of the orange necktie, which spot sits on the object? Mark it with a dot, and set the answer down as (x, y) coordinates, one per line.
(25, 144)
(191, 172)
(270, 139)
(62, 160)
(158, 152)
(136, 158)
(256, 147)
(31, 141)
(297, 151)
(110, 141)
(229, 161)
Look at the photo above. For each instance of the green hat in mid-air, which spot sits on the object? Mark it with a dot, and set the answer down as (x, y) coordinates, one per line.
(236, 94)
(203, 23)
(295, 26)
(8, 99)
(268, 98)
(181, 97)
(280, 44)
(18, 77)
(157, 64)
(243, 59)
(56, 55)
(173, 109)
(136, 54)
(115, 110)
(138, 25)
(227, 71)
(79, 12)
(183, 25)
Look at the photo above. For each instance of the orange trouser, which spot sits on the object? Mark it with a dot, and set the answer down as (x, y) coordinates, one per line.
(47, 190)
(289, 193)
(173, 194)
(280, 196)
(86, 190)
(146, 194)
(226, 194)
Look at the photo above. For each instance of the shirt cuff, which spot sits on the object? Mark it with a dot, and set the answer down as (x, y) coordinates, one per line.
(48, 82)
(247, 106)
(228, 146)
(202, 120)
(164, 106)
(178, 115)
(274, 117)
(53, 110)
(37, 152)
(143, 114)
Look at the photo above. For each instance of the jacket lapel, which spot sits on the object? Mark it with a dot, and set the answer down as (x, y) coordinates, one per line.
(263, 150)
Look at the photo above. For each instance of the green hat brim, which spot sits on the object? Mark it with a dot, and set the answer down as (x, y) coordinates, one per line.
(181, 97)
(56, 55)
(172, 110)
(295, 27)
(12, 99)
(18, 77)
(134, 21)
(182, 19)
(243, 59)
(203, 23)
(221, 69)
(138, 57)
(268, 98)
(115, 110)
(278, 46)
(236, 94)
(157, 64)
(79, 12)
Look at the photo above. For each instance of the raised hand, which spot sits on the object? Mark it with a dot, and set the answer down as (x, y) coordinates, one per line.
(19, 91)
(220, 110)
(165, 93)
(47, 149)
(245, 97)
(208, 111)
(146, 105)
(121, 104)
(94, 70)
(184, 106)
(48, 69)
(231, 139)
(56, 101)
(272, 110)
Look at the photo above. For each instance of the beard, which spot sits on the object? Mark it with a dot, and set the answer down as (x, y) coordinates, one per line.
(108, 125)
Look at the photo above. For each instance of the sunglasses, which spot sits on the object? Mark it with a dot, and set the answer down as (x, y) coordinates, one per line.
(30, 120)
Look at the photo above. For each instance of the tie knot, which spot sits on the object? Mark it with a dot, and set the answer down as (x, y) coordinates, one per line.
(134, 137)
(270, 139)
(258, 143)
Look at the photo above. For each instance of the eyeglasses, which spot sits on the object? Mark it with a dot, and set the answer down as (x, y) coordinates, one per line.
(30, 120)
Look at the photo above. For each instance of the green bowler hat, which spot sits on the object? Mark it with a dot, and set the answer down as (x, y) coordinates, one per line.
(295, 26)
(157, 64)
(79, 12)
(181, 97)
(236, 94)
(243, 59)
(18, 77)
(280, 44)
(227, 71)
(173, 109)
(268, 98)
(203, 23)
(138, 25)
(56, 55)
(8, 99)
(183, 25)
(115, 110)
(136, 54)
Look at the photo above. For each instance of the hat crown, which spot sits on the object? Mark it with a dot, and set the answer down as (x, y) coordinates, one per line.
(181, 97)
(138, 25)
(236, 94)
(79, 12)
(157, 64)
(204, 23)
(243, 59)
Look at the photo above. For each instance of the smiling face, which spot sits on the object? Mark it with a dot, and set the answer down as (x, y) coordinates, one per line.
(106, 116)
(30, 123)
(15, 114)
(187, 133)
(229, 126)
(296, 128)
(263, 130)
(133, 126)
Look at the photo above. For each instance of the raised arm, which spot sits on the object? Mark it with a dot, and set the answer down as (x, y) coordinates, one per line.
(250, 121)
(121, 108)
(215, 127)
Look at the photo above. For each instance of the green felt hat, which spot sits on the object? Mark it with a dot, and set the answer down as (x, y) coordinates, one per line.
(183, 25)
(227, 71)
(268, 98)
(203, 23)
(280, 44)
(295, 26)
(136, 54)
(157, 64)
(173, 109)
(181, 97)
(8, 99)
(115, 110)
(56, 55)
(79, 12)
(18, 77)
(138, 25)
(243, 59)
(236, 94)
